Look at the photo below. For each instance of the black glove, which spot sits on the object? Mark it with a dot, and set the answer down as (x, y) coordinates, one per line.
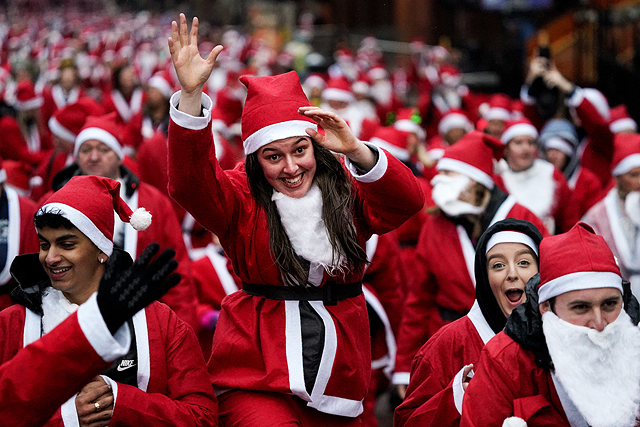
(124, 292)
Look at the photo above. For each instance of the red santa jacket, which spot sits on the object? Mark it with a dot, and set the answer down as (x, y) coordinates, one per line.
(434, 395)
(22, 238)
(14, 147)
(173, 389)
(257, 343)
(508, 383)
(446, 282)
(586, 190)
(126, 109)
(77, 350)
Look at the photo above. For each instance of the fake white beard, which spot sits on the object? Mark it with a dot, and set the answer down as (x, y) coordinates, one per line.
(600, 371)
(303, 223)
(632, 207)
(56, 308)
(445, 193)
(533, 188)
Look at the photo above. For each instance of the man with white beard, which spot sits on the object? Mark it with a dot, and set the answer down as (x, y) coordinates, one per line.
(570, 355)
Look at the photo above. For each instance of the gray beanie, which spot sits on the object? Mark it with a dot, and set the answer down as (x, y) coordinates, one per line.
(559, 134)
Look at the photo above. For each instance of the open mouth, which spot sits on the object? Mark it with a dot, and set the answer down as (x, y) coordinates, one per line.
(293, 182)
(514, 295)
(57, 271)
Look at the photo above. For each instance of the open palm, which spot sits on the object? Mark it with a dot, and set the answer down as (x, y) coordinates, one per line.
(192, 70)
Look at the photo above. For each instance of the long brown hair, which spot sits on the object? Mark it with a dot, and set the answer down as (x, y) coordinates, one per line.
(337, 212)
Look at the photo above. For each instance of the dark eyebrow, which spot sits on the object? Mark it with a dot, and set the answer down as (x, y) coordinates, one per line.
(69, 236)
(495, 256)
(302, 139)
(527, 251)
(580, 302)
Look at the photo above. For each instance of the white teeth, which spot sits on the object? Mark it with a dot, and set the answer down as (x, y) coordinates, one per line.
(60, 270)
(293, 182)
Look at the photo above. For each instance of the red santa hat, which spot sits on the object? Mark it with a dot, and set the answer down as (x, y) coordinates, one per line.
(454, 119)
(162, 81)
(88, 202)
(104, 129)
(393, 140)
(576, 260)
(450, 75)
(377, 72)
(67, 122)
(338, 89)
(473, 156)
(271, 110)
(497, 108)
(409, 121)
(26, 97)
(621, 120)
(626, 153)
(314, 80)
(521, 127)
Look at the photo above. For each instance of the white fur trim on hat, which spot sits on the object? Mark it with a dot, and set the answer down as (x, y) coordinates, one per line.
(333, 94)
(454, 121)
(497, 113)
(84, 224)
(578, 281)
(626, 164)
(29, 104)
(360, 87)
(275, 132)
(60, 131)
(410, 126)
(510, 236)
(514, 422)
(99, 135)
(162, 85)
(466, 169)
(623, 124)
(140, 219)
(520, 129)
(399, 153)
(559, 144)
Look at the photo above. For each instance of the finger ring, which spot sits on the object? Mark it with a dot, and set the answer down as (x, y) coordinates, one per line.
(97, 405)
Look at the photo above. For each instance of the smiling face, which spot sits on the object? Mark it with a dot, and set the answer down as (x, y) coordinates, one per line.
(509, 267)
(289, 165)
(71, 261)
(520, 153)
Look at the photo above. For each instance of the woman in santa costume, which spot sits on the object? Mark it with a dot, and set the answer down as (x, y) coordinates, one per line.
(568, 356)
(468, 203)
(83, 345)
(293, 345)
(506, 258)
(162, 379)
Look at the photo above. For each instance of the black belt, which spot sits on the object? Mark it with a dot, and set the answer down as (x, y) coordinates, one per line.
(330, 293)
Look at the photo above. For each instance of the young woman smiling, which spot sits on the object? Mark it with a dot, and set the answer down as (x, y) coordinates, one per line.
(293, 345)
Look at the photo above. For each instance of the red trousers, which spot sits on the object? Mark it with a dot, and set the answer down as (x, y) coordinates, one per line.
(240, 408)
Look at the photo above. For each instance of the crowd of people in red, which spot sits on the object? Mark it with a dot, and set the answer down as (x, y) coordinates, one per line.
(392, 191)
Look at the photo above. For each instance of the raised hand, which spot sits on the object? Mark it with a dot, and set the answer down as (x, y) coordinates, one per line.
(338, 137)
(192, 70)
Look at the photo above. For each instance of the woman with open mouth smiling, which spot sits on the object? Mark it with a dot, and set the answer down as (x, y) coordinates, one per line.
(506, 258)
(292, 347)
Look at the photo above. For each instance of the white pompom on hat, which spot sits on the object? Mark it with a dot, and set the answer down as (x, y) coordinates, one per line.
(576, 260)
(271, 110)
(514, 422)
(88, 202)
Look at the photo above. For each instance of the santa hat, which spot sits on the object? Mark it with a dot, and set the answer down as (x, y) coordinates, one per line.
(620, 120)
(271, 110)
(576, 260)
(450, 75)
(67, 122)
(26, 98)
(409, 120)
(104, 129)
(454, 119)
(498, 108)
(393, 140)
(377, 72)
(626, 153)
(522, 127)
(162, 81)
(598, 100)
(314, 80)
(473, 156)
(338, 89)
(360, 86)
(88, 202)
(561, 135)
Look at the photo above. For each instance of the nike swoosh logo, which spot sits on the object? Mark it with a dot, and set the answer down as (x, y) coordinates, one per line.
(124, 368)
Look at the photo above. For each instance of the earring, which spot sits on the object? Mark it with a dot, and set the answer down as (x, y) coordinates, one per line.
(102, 260)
